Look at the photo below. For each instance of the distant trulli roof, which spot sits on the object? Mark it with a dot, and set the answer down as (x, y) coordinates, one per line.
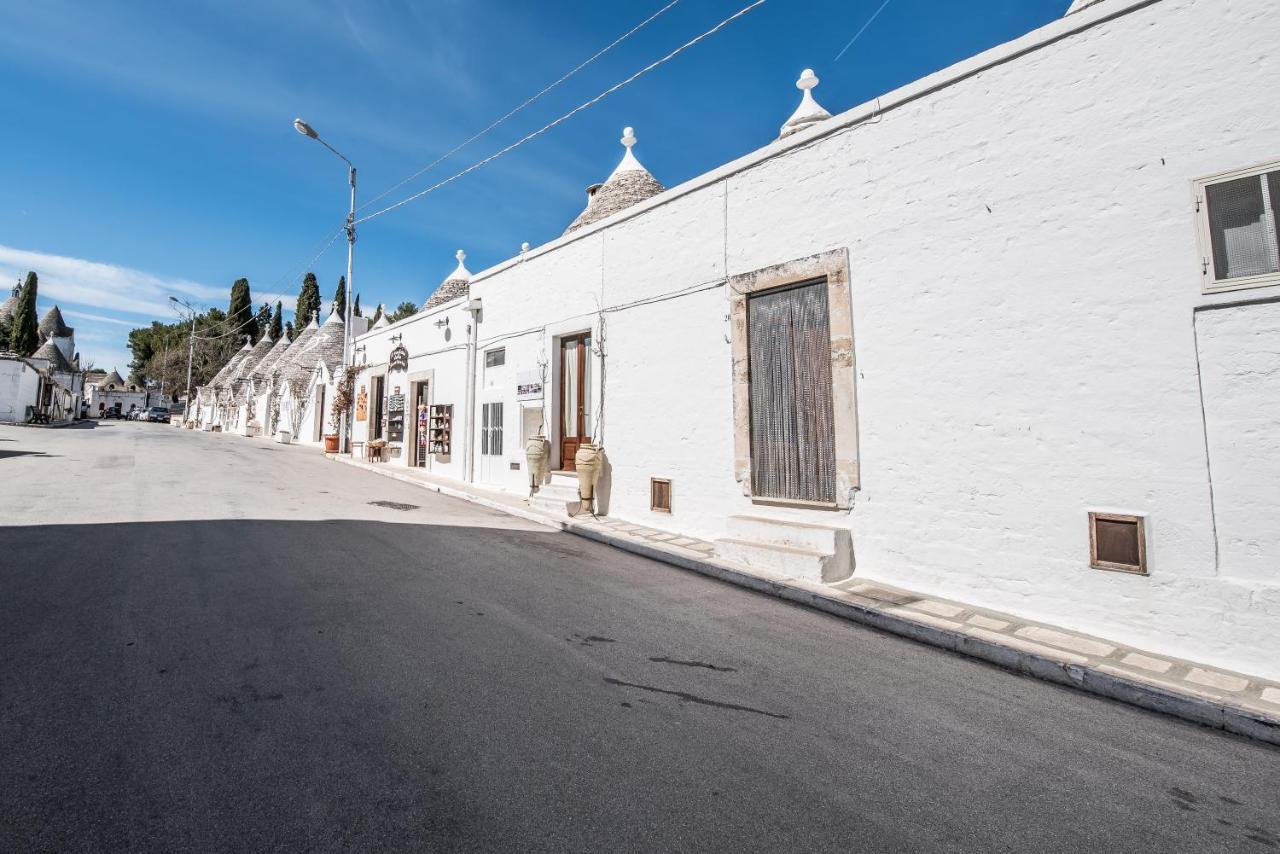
(234, 362)
(57, 362)
(111, 379)
(269, 361)
(629, 184)
(295, 349)
(809, 111)
(8, 307)
(456, 284)
(325, 346)
(238, 378)
(382, 319)
(52, 325)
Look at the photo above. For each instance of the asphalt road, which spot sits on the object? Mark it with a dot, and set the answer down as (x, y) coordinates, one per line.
(217, 644)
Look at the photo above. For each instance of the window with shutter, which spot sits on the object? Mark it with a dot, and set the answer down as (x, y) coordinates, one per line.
(1240, 228)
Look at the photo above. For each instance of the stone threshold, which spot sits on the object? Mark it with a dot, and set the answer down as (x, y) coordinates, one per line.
(1216, 698)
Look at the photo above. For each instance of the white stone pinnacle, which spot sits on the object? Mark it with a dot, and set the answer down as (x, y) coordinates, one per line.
(629, 162)
(809, 111)
(461, 271)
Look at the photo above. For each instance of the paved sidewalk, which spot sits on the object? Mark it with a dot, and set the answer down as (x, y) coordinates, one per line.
(1235, 702)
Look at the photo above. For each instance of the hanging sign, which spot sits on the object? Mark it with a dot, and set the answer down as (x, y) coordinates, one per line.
(399, 359)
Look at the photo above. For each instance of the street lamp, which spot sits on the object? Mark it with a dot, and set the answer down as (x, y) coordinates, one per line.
(308, 131)
(191, 351)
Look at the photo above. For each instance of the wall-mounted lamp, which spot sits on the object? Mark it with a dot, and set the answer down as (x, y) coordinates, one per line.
(396, 338)
(444, 321)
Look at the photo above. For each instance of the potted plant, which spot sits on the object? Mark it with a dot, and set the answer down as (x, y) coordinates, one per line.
(342, 402)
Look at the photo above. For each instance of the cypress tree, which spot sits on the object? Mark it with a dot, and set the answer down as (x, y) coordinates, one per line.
(24, 334)
(308, 305)
(288, 329)
(277, 323)
(340, 298)
(240, 311)
(355, 309)
(262, 323)
(377, 312)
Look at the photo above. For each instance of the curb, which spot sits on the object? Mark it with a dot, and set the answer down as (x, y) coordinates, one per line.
(1199, 710)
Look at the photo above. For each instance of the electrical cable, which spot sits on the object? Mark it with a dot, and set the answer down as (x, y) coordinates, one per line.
(586, 104)
(526, 103)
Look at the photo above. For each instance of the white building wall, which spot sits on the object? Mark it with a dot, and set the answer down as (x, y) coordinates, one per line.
(19, 389)
(1024, 271)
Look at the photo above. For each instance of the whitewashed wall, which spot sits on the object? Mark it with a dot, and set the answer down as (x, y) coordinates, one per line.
(19, 388)
(1024, 272)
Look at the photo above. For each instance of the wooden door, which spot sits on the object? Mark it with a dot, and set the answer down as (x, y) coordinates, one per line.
(792, 414)
(575, 396)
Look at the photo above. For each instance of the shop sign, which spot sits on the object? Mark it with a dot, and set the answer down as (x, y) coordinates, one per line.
(528, 385)
(399, 359)
(362, 404)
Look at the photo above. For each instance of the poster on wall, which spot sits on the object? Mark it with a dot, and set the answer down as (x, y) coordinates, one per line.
(362, 404)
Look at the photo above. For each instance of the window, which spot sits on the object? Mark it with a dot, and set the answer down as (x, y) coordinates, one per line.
(495, 358)
(491, 430)
(660, 495)
(1117, 542)
(1239, 224)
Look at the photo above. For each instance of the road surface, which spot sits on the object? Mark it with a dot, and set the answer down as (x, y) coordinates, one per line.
(211, 643)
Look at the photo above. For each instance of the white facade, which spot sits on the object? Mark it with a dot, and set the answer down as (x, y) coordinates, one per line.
(20, 386)
(1033, 339)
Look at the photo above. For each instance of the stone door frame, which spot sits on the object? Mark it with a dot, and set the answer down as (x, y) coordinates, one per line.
(833, 267)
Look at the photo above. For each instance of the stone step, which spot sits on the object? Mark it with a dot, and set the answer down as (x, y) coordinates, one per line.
(791, 561)
(815, 536)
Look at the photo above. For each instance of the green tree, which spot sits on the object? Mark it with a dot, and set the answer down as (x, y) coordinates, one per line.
(277, 322)
(340, 298)
(308, 305)
(355, 310)
(377, 312)
(24, 331)
(403, 310)
(288, 329)
(240, 311)
(262, 322)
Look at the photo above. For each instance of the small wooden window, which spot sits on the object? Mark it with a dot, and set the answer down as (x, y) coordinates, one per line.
(659, 495)
(1117, 542)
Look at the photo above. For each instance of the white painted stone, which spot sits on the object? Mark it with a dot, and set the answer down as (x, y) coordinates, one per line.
(1146, 662)
(1214, 679)
(1066, 641)
(988, 623)
(1028, 646)
(1271, 695)
(942, 609)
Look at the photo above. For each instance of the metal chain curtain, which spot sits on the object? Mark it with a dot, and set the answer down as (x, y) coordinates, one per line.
(792, 416)
(1244, 226)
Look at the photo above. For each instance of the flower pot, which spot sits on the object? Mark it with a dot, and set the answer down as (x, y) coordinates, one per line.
(283, 437)
(537, 452)
(588, 461)
(331, 443)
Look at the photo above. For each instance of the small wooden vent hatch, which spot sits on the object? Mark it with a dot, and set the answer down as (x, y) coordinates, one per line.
(1117, 542)
(660, 495)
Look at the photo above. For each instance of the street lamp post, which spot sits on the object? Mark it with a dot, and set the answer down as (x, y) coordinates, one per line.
(191, 352)
(306, 130)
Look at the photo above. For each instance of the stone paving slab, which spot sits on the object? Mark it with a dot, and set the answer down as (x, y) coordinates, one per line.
(1236, 702)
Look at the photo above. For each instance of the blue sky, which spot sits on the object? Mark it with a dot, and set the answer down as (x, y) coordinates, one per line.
(149, 150)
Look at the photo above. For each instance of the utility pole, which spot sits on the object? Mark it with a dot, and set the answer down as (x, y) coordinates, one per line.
(191, 352)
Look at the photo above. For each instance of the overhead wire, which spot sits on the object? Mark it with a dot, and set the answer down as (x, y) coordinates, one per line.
(585, 105)
(619, 40)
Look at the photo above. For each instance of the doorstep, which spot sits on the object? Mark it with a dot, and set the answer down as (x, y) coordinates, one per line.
(1221, 699)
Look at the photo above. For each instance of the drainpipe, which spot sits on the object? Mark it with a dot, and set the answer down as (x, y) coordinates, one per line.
(473, 336)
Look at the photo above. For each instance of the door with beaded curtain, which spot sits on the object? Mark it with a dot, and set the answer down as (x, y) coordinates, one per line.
(792, 415)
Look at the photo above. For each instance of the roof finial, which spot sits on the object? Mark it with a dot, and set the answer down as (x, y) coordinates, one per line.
(809, 110)
(629, 162)
(628, 137)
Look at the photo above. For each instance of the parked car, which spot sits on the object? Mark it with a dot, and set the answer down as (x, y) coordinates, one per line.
(158, 414)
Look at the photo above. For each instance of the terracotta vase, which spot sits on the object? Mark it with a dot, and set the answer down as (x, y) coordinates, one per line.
(331, 443)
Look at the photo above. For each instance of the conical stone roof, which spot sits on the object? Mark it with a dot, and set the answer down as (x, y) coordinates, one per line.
(111, 379)
(57, 362)
(52, 325)
(325, 346)
(236, 380)
(629, 184)
(8, 306)
(456, 284)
